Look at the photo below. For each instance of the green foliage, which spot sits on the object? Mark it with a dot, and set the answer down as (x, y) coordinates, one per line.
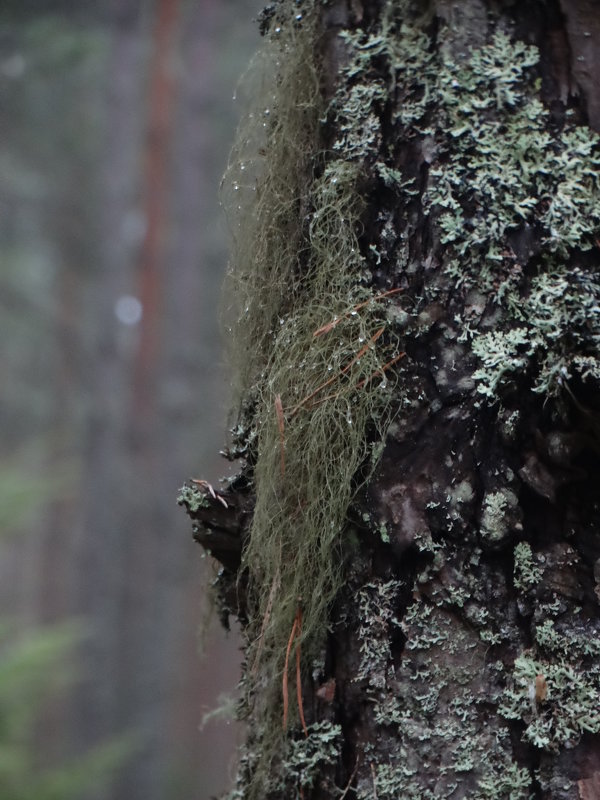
(34, 666)
(22, 494)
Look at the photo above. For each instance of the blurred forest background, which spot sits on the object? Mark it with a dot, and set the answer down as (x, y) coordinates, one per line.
(115, 121)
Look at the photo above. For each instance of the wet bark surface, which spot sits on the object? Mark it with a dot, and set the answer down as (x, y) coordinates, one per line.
(462, 659)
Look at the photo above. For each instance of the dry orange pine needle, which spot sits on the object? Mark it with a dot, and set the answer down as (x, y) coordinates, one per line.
(295, 634)
(541, 688)
(285, 672)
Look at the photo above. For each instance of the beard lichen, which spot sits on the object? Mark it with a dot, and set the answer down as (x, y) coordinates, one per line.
(313, 357)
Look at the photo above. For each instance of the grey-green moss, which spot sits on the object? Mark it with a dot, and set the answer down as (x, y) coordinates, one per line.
(311, 346)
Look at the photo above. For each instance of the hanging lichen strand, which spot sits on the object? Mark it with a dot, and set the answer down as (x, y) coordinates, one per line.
(313, 357)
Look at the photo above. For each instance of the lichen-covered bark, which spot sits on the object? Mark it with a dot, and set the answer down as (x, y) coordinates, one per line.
(462, 657)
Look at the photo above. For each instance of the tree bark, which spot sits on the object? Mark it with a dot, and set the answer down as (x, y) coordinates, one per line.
(460, 657)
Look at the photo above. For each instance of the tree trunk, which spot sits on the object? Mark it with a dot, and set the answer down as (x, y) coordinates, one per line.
(415, 530)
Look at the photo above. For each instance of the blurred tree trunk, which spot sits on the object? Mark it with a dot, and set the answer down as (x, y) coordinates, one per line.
(116, 202)
(101, 705)
(463, 658)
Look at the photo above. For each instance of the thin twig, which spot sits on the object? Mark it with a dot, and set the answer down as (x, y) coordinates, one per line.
(265, 622)
(348, 366)
(281, 425)
(298, 676)
(381, 371)
(362, 383)
(206, 485)
(374, 782)
(285, 673)
(331, 325)
(348, 785)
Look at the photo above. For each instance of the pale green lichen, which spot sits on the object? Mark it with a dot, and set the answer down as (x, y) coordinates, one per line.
(377, 609)
(503, 355)
(559, 335)
(460, 493)
(192, 498)
(527, 573)
(497, 510)
(567, 662)
(575, 644)
(307, 755)
(359, 124)
(507, 167)
(511, 783)
(569, 709)
(432, 706)
(500, 172)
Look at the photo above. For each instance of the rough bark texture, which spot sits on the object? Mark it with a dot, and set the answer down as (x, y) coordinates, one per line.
(462, 657)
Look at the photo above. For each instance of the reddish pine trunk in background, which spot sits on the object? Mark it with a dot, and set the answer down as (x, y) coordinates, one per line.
(155, 209)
